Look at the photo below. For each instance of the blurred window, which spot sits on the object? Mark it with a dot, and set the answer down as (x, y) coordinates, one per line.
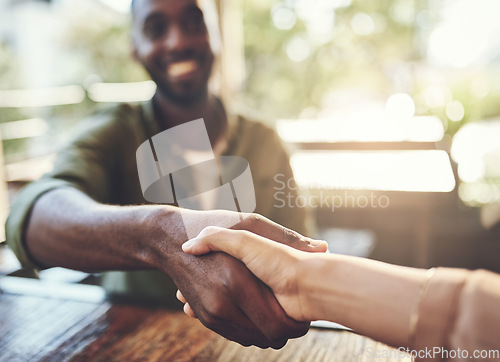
(413, 71)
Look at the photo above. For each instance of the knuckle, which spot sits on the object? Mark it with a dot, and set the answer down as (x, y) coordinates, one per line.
(293, 238)
(291, 235)
(286, 330)
(255, 219)
(212, 313)
(209, 320)
(278, 334)
(241, 235)
(279, 344)
(250, 221)
(299, 330)
(227, 285)
(216, 310)
(208, 230)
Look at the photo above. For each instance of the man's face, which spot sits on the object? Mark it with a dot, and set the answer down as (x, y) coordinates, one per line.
(171, 41)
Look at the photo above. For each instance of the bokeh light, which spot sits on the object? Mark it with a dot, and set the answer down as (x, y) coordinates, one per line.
(480, 87)
(122, 6)
(283, 18)
(460, 40)
(400, 106)
(437, 97)
(455, 111)
(403, 11)
(298, 49)
(362, 24)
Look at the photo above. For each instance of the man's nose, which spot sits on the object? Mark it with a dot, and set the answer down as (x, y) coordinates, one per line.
(176, 39)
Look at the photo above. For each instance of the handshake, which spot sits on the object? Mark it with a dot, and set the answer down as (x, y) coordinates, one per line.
(247, 281)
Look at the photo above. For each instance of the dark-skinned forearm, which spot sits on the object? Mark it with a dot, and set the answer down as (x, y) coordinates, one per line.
(69, 229)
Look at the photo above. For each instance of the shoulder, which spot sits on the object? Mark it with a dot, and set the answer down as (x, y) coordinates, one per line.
(260, 145)
(112, 122)
(251, 131)
(114, 116)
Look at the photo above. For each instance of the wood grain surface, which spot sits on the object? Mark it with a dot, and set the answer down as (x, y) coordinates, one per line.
(34, 328)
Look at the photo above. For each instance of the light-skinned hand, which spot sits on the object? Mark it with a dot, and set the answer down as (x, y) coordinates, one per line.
(273, 263)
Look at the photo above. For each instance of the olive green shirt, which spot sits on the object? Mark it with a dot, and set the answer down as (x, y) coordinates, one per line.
(101, 162)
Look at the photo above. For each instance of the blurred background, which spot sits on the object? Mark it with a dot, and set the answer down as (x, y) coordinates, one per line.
(390, 109)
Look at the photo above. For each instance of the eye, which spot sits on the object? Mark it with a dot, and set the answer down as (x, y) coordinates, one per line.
(155, 29)
(194, 23)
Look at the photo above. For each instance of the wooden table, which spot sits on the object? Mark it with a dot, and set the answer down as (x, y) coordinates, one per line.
(58, 328)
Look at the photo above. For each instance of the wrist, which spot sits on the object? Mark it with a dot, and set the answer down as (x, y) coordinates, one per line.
(306, 275)
(318, 275)
(161, 231)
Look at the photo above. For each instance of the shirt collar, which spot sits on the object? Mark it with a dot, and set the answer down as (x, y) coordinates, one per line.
(154, 125)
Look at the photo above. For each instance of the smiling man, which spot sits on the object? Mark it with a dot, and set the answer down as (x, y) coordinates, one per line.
(82, 214)
(181, 63)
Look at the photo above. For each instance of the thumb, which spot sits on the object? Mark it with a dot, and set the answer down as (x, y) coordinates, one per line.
(273, 263)
(241, 244)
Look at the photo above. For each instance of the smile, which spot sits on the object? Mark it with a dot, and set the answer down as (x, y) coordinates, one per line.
(182, 68)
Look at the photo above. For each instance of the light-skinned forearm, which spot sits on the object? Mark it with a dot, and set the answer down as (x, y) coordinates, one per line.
(404, 307)
(373, 298)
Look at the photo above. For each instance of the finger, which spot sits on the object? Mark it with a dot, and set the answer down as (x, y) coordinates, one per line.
(233, 242)
(236, 327)
(214, 300)
(270, 317)
(265, 258)
(219, 311)
(188, 310)
(268, 229)
(299, 242)
(180, 297)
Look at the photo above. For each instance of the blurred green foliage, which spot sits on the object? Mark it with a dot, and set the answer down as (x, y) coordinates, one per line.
(281, 87)
(104, 50)
(344, 51)
(388, 58)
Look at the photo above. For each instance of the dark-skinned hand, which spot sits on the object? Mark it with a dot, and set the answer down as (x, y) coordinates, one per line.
(228, 299)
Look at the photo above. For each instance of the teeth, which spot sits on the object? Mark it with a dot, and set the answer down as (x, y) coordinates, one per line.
(180, 68)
